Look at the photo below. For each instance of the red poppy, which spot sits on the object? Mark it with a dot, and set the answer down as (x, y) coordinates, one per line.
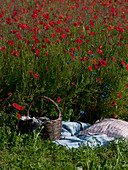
(33, 47)
(103, 63)
(36, 76)
(41, 112)
(46, 69)
(87, 28)
(96, 66)
(20, 108)
(3, 48)
(113, 103)
(31, 72)
(99, 79)
(90, 68)
(93, 107)
(58, 40)
(73, 84)
(37, 51)
(114, 116)
(58, 99)
(46, 53)
(10, 42)
(10, 94)
(126, 85)
(15, 105)
(63, 36)
(87, 41)
(114, 59)
(83, 58)
(120, 95)
(7, 68)
(72, 49)
(122, 63)
(19, 116)
(127, 67)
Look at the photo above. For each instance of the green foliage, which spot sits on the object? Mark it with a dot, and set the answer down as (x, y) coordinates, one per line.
(25, 152)
(63, 67)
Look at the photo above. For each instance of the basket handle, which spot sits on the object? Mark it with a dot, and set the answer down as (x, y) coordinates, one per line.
(47, 98)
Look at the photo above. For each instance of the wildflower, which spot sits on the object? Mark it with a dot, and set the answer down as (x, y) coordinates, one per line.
(83, 58)
(103, 63)
(100, 47)
(103, 95)
(76, 54)
(72, 49)
(37, 54)
(93, 107)
(10, 42)
(40, 111)
(20, 108)
(58, 40)
(93, 34)
(122, 63)
(92, 55)
(36, 76)
(82, 112)
(93, 73)
(46, 53)
(87, 28)
(3, 48)
(96, 66)
(67, 62)
(106, 87)
(19, 36)
(79, 47)
(7, 68)
(33, 47)
(46, 69)
(99, 79)
(127, 67)
(115, 116)
(58, 70)
(37, 51)
(14, 105)
(63, 36)
(10, 94)
(113, 103)
(58, 99)
(87, 41)
(120, 95)
(114, 59)
(73, 83)
(31, 72)
(126, 85)
(19, 116)
(90, 68)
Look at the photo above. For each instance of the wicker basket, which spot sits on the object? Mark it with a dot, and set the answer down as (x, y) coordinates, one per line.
(52, 128)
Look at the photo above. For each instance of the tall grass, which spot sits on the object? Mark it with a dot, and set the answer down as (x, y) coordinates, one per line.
(75, 50)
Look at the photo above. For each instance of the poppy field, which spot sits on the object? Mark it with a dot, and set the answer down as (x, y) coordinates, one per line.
(75, 52)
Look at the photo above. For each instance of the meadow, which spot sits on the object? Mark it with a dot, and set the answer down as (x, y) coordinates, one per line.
(76, 53)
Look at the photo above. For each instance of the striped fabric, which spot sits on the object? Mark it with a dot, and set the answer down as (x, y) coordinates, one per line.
(110, 127)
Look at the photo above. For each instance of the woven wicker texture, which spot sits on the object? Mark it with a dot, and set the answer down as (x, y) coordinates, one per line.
(52, 128)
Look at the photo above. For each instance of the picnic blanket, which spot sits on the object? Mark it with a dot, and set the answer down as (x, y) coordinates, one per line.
(71, 139)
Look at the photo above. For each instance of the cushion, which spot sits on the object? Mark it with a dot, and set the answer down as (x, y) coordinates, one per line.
(111, 127)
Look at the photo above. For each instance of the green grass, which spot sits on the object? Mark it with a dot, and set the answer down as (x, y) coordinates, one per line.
(23, 152)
